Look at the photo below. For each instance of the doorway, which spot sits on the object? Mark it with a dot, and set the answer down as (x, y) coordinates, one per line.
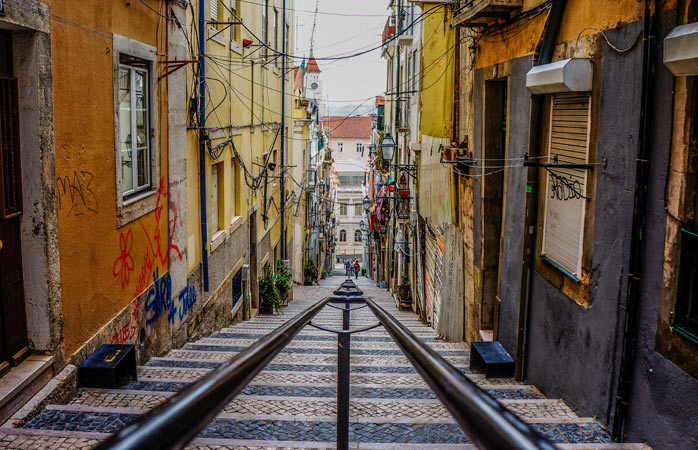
(495, 134)
(13, 324)
(253, 263)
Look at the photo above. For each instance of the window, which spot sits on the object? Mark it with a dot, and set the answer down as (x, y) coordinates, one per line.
(357, 236)
(359, 147)
(233, 189)
(351, 180)
(565, 202)
(276, 35)
(265, 26)
(134, 122)
(342, 236)
(343, 210)
(214, 10)
(357, 210)
(235, 29)
(340, 145)
(686, 311)
(214, 198)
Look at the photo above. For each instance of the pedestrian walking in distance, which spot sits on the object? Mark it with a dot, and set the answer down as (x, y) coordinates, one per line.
(357, 267)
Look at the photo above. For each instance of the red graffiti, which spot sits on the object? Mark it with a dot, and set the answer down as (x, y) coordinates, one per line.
(154, 252)
(131, 329)
(123, 265)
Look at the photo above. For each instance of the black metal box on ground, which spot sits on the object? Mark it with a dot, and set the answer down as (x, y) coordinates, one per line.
(491, 358)
(110, 366)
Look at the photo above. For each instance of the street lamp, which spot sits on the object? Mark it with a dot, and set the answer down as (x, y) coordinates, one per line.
(388, 147)
(367, 203)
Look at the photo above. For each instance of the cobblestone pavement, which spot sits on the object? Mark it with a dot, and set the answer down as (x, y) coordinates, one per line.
(291, 403)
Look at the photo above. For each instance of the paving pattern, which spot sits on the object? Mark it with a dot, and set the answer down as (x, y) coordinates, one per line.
(292, 402)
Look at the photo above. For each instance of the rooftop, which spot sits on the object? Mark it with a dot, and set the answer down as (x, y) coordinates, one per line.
(348, 126)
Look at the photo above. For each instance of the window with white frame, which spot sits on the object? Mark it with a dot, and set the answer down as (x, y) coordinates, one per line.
(214, 198)
(359, 147)
(343, 210)
(276, 35)
(357, 236)
(340, 146)
(342, 236)
(357, 210)
(235, 29)
(565, 199)
(265, 26)
(134, 123)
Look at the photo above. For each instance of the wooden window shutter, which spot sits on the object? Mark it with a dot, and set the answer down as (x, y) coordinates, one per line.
(563, 229)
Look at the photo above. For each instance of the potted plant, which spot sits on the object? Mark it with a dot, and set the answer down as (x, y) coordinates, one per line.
(309, 272)
(404, 294)
(282, 281)
(269, 299)
(323, 274)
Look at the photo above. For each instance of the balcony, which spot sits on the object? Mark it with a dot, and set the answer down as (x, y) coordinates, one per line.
(389, 29)
(475, 13)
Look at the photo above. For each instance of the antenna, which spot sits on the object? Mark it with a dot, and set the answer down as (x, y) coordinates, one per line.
(312, 35)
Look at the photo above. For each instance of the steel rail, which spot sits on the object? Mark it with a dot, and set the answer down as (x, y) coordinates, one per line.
(179, 420)
(489, 424)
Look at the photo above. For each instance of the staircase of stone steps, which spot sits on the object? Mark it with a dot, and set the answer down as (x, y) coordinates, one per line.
(292, 403)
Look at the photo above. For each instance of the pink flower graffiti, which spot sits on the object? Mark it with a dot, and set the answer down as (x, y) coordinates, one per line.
(123, 265)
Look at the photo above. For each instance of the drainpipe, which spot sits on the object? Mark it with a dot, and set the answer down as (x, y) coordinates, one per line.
(543, 55)
(202, 141)
(283, 135)
(623, 397)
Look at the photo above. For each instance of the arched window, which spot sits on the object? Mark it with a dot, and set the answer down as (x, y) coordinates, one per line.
(342, 236)
(357, 236)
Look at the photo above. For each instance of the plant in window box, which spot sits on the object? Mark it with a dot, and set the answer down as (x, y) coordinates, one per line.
(404, 293)
(309, 272)
(269, 299)
(282, 281)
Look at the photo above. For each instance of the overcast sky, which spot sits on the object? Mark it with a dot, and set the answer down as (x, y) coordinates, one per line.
(345, 27)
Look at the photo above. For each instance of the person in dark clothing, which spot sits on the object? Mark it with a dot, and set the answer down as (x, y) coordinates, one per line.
(357, 267)
(347, 267)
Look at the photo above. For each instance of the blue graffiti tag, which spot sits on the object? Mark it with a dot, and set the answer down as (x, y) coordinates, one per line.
(159, 298)
(187, 300)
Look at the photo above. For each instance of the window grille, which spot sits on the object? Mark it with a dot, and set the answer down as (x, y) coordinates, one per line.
(237, 287)
(563, 229)
(11, 187)
(686, 313)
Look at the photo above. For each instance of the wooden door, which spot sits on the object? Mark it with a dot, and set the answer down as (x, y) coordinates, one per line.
(13, 324)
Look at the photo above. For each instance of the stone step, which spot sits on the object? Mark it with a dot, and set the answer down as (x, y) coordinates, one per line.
(355, 351)
(284, 358)
(438, 346)
(320, 336)
(361, 409)
(329, 390)
(211, 363)
(73, 440)
(184, 374)
(108, 420)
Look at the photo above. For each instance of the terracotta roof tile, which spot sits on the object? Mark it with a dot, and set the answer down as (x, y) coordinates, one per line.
(347, 127)
(312, 66)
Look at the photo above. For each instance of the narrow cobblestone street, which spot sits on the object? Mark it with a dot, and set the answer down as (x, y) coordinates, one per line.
(291, 404)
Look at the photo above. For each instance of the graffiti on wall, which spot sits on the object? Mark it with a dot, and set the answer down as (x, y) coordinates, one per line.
(76, 195)
(159, 301)
(123, 266)
(131, 329)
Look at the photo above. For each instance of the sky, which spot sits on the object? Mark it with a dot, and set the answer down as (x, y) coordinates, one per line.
(345, 27)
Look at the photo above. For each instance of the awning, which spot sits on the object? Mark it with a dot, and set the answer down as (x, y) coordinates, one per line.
(681, 50)
(569, 75)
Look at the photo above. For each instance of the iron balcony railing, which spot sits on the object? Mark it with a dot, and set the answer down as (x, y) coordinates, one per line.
(179, 420)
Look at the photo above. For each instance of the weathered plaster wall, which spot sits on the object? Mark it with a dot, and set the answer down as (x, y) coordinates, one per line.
(572, 349)
(515, 210)
(663, 394)
(103, 267)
